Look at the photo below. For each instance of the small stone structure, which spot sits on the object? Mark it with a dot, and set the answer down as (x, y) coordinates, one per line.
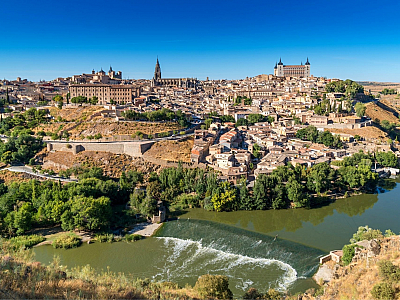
(334, 255)
(161, 213)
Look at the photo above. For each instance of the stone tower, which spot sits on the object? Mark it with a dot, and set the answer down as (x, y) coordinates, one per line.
(307, 71)
(279, 71)
(157, 71)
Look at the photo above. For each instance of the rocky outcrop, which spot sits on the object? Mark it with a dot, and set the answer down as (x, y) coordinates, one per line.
(356, 280)
(367, 249)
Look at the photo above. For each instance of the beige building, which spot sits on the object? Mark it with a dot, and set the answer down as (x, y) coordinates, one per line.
(301, 70)
(105, 92)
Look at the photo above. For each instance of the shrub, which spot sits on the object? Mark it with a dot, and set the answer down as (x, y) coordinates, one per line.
(26, 241)
(382, 290)
(319, 292)
(133, 237)
(213, 286)
(273, 295)
(389, 233)
(365, 233)
(388, 271)
(104, 238)
(69, 146)
(252, 293)
(41, 133)
(348, 253)
(67, 241)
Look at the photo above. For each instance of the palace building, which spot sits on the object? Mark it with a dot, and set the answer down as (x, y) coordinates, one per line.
(121, 94)
(171, 82)
(292, 70)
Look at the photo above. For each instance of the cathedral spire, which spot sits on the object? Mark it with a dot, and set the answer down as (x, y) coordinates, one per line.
(157, 71)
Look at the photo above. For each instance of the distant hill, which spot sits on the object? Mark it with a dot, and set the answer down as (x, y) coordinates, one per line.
(376, 87)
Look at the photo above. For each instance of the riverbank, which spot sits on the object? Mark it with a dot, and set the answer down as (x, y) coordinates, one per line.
(146, 229)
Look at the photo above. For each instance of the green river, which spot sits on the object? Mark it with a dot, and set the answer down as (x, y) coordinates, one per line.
(263, 249)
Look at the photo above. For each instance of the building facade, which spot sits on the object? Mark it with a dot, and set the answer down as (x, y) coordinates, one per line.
(121, 94)
(171, 82)
(111, 77)
(301, 70)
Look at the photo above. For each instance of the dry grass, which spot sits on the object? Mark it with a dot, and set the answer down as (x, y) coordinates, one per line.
(376, 112)
(107, 127)
(172, 150)
(112, 164)
(357, 280)
(369, 132)
(79, 113)
(7, 177)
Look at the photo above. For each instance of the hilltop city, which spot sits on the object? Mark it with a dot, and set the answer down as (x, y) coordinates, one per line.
(241, 128)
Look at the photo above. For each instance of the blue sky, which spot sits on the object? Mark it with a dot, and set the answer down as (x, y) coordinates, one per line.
(232, 39)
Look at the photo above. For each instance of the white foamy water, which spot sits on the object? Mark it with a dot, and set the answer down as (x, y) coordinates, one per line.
(187, 258)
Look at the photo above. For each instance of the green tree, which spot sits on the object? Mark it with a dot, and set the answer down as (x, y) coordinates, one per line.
(225, 198)
(90, 213)
(387, 159)
(255, 118)
(242, 122)
(365, 233)
(94, 100)
(348, 253)
(256, 151)
(213, 286)
(383, 290)
(360, 109)
(23, 218)
(320, 178)
(296, 194)
(208, 123)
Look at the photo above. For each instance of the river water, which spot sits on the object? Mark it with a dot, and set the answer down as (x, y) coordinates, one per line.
(263, 249)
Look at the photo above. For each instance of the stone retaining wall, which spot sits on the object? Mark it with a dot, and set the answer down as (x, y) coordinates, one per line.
(132, 149)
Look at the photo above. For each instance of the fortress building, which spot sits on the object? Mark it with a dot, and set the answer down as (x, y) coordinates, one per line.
(292, 70)
(171, 82)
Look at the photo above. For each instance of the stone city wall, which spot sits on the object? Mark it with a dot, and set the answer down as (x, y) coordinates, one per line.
(132, 149)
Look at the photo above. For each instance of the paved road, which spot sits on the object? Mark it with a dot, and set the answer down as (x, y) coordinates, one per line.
(28, 170)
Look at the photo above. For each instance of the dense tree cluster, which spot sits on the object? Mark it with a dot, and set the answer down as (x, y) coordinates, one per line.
(246, 101)
(385, 159)
(311, 133)
(387, 91)
(23, 122)
(286, 186)
(254, 118)
(177, 187)
(82, 99)
(163, 114)
(86, 204)
(348, 87)
(20, 149)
